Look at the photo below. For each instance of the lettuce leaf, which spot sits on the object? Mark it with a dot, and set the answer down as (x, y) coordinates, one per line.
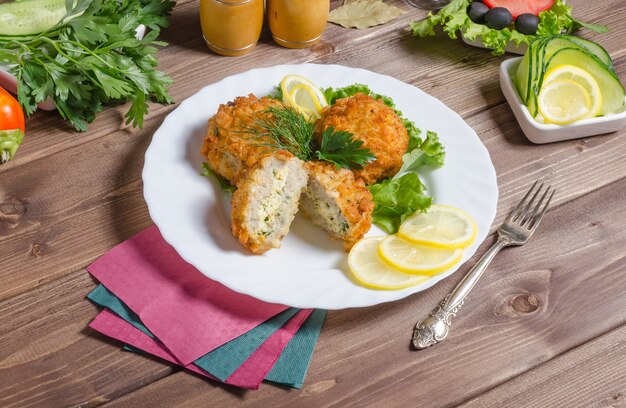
(400, 196)
(208, 172)
(397, 199)
(430, 152)
(453, 19)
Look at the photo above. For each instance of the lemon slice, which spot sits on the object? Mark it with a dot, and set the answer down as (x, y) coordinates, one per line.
(369, 270)
(417, 259)
(581, 77)
(564, 101)
(443, 226)
(303, 95)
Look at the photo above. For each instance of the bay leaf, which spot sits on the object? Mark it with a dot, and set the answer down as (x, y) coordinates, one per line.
(363, 13)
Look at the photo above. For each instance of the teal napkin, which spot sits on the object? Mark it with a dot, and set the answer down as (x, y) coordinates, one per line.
(293, 362)
(291, 367)
(105, 298)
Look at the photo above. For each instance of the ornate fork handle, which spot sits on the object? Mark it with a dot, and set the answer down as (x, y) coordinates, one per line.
(435, 327)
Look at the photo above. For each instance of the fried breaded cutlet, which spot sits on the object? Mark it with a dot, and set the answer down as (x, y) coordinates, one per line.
(228, 148)
(336, 201)
(266, 201)
(377, 125)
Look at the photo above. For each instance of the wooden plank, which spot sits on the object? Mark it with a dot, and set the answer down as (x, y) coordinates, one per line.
(77, 195)
(532, 305)
(361, 340)
(50, 358)
(592, 375)
(59, 214)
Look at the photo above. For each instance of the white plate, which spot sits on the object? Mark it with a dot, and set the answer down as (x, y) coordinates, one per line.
(310, 270)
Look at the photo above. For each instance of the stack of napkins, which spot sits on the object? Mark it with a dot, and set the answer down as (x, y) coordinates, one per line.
(158, 304)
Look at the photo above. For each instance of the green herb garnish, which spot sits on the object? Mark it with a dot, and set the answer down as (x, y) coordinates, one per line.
(208, 172)
(284, 128)
(92, 59)
(340, 148)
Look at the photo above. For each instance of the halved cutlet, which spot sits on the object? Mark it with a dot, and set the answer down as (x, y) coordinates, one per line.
(338, 202)
(266, 201)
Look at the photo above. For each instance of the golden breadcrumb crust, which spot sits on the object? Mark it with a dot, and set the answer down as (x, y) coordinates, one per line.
(354, 199)
(228, 150)
(377, 125)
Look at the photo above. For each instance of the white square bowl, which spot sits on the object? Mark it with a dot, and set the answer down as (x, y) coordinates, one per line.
(546, 133)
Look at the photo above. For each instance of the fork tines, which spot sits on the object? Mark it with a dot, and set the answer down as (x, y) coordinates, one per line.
(525, 214)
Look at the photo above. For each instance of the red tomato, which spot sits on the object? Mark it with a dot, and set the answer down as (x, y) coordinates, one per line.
(11, 114)
(517, 7)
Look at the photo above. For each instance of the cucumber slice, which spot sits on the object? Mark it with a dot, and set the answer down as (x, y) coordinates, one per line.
(29, 17)
(523, 74)
(595, 49)
(568, 41)
(612, 90)
(535, 75)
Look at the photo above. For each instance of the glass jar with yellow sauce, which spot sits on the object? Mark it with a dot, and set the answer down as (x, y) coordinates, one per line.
(297, 23)
(231, 27)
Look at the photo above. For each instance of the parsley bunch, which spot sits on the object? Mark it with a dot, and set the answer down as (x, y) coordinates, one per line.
(92, 58)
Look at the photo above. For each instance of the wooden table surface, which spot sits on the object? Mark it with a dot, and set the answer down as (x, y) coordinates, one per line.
(545, 327)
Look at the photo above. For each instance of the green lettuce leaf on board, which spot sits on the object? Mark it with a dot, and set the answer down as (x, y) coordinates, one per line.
(453, 19)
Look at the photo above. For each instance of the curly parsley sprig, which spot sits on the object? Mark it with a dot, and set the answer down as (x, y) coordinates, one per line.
(339, 148)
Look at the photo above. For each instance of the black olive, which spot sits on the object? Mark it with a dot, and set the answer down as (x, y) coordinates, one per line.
(498, 18)
(527, 23)
(476, 12)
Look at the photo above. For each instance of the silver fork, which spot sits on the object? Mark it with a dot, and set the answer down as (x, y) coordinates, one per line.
(516, 230)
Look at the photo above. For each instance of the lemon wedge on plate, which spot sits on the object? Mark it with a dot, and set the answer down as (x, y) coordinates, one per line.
(412, 258)
(568, 94)
(371, 271)
(443, 227)
(302, 94)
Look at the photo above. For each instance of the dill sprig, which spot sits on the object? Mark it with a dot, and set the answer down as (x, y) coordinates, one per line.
(284, 128)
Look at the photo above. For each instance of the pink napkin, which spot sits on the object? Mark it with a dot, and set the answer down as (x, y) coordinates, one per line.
(190, 314)
(249, 375)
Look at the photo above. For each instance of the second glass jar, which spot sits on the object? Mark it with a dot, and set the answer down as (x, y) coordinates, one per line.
(297, 23)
